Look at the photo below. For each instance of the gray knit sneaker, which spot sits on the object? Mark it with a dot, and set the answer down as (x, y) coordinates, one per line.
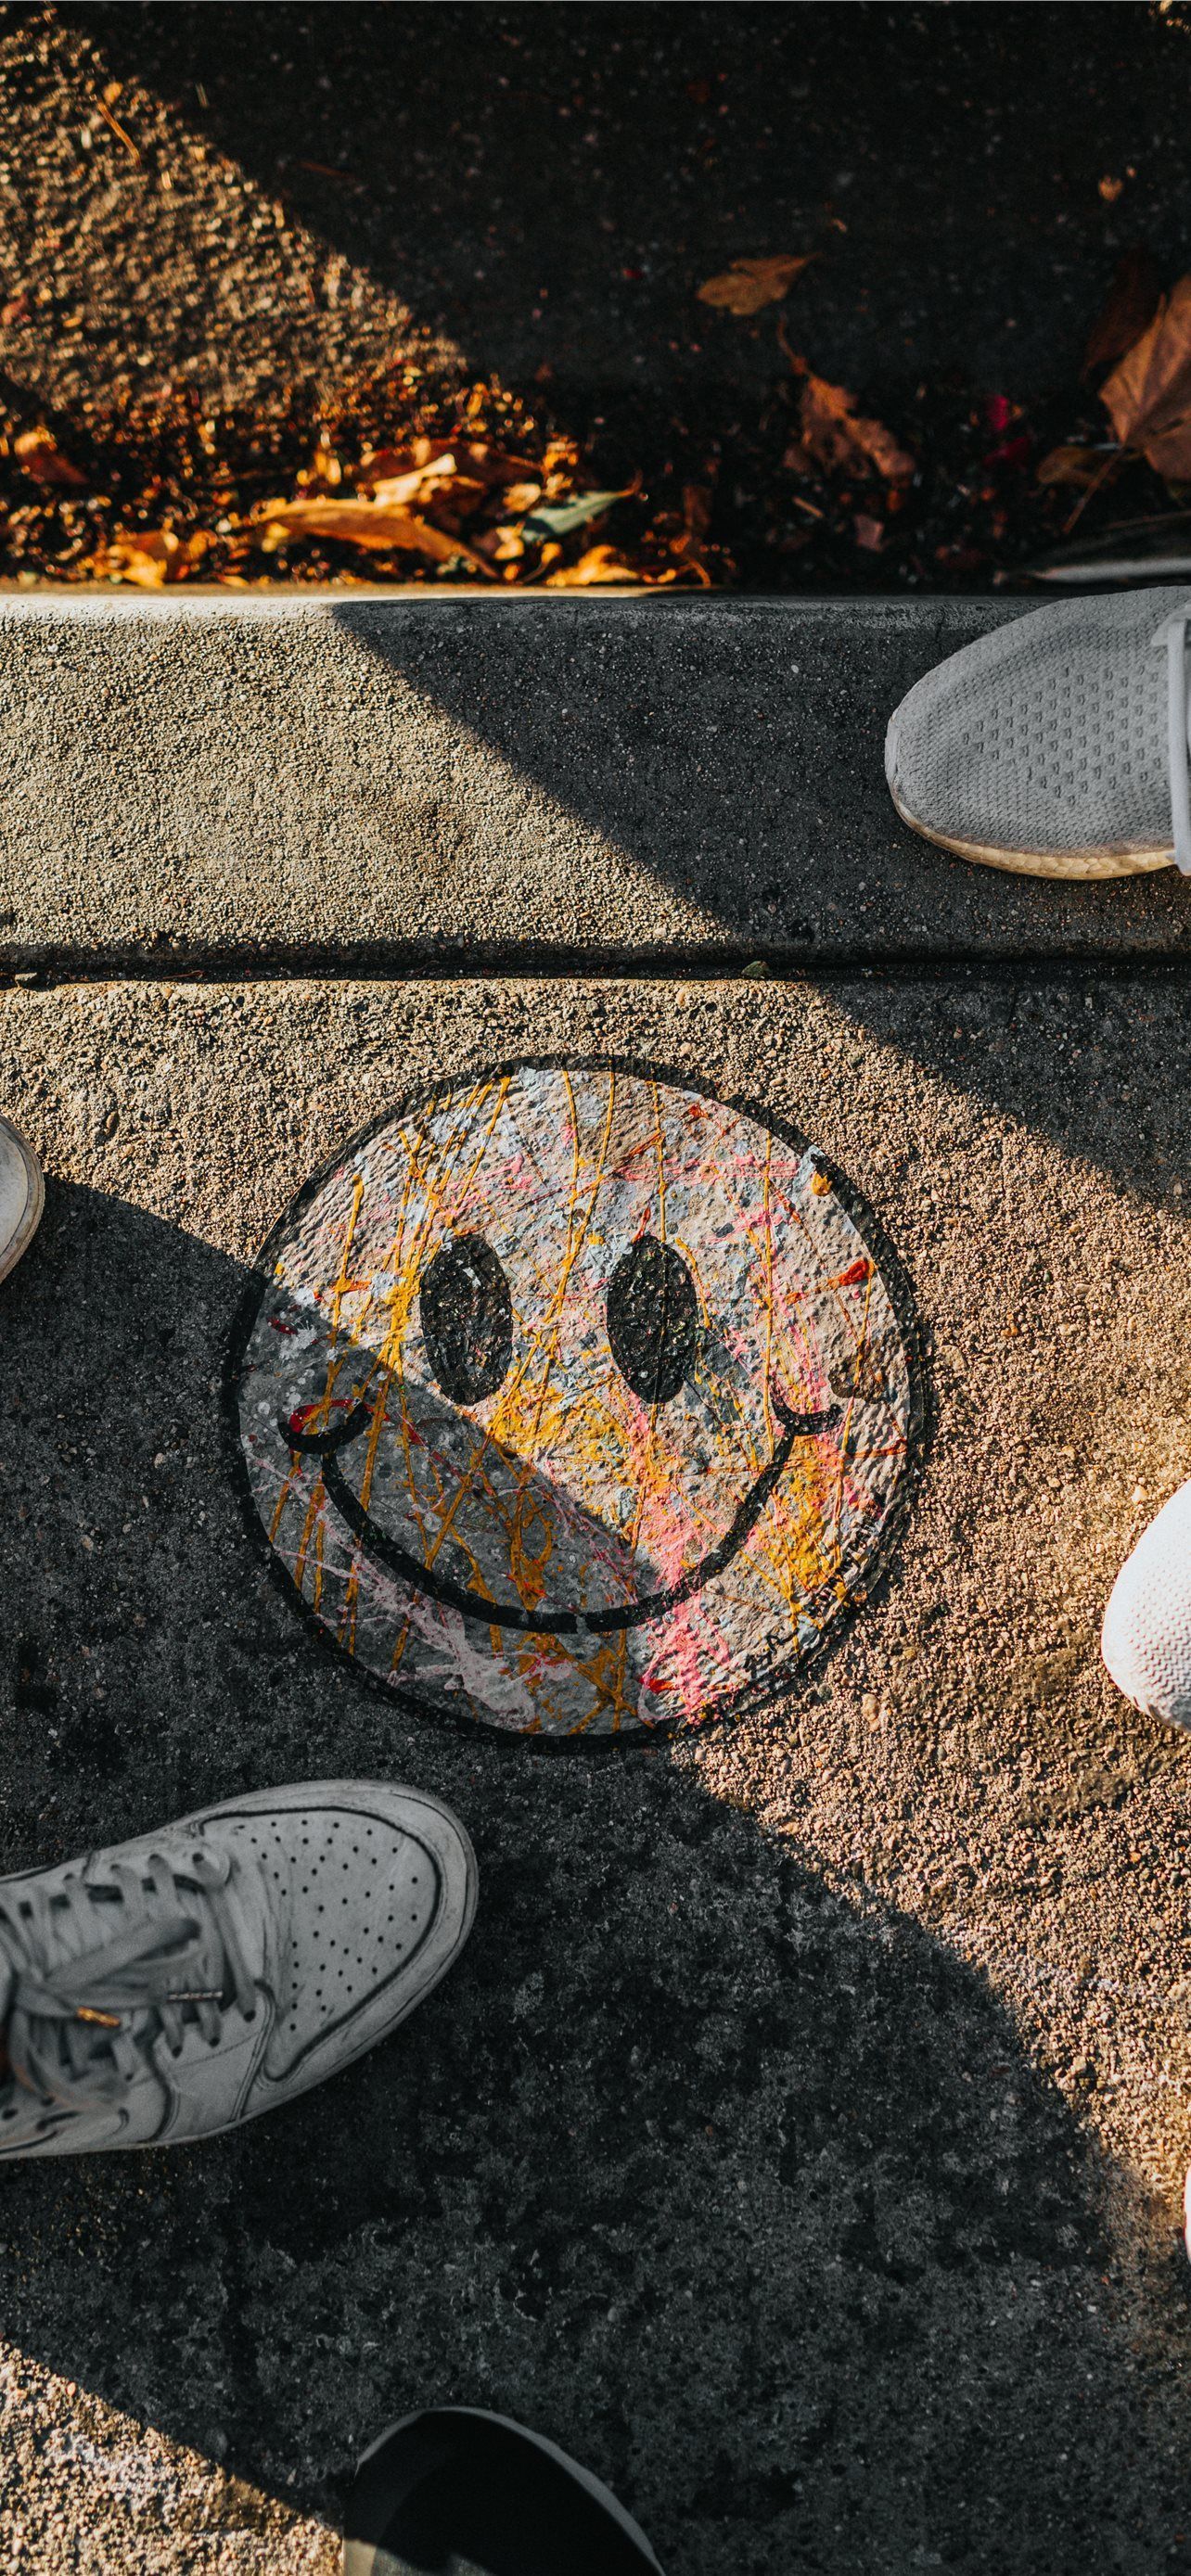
(22, 1195)
(195, 1977)
(1058, 745)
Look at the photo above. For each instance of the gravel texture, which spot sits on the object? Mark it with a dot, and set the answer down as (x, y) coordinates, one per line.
(546, 189)
(800, 2139)
(217, 222)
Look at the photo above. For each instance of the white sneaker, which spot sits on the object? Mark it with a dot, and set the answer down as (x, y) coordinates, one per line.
(193, 1978)
(1146, 1637)
(22, 1195)
(1057, 745)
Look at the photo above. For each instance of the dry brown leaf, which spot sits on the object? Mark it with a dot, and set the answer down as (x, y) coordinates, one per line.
(369, 524)
(870, 533)
(690, 545)
(41, 457)
(396, 491)
(835, 433)
(149, 558)
(520, 497)
(493, 466)
(1077, 465)
(326, 467)
(751, 283)
(600, 564)
(1148, 396)
(471, 456)
(1130, 304)
(380, 462)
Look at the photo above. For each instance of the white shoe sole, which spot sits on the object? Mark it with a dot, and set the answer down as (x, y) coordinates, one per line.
(15, 1150)
(1081, 865)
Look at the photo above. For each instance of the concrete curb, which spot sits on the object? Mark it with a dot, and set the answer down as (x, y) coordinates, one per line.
(339, 779)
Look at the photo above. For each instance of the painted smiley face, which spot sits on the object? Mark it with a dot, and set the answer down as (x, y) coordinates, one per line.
(575, 1397)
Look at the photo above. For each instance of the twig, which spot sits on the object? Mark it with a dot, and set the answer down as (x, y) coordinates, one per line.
(1105, 476)
(117, 129)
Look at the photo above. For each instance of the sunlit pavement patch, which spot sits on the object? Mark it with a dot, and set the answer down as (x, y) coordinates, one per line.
(575, 1398)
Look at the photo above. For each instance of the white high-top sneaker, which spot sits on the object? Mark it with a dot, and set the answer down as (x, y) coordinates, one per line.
(1146, 1637)
(193, 1978)
(1057, 744)
(22, 1195)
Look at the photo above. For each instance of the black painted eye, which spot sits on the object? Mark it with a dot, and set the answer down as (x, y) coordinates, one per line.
(467, 1319)
(653, 1320)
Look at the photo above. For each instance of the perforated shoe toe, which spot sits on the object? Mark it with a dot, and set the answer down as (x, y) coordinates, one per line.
(1146, 1638)
(1048, 746)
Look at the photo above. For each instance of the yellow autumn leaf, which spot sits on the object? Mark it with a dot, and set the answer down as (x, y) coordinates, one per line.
(600, 565)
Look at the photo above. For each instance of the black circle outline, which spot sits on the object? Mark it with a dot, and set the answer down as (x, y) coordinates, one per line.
(759, 1690)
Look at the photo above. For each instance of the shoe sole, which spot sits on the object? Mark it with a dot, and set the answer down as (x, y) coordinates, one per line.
(1081, 865)
(27, 1226)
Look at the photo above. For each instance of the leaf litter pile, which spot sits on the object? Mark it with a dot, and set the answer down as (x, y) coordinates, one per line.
(398, 479)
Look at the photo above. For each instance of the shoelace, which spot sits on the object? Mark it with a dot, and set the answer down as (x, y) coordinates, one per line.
(1172, 635)
(83, 2014)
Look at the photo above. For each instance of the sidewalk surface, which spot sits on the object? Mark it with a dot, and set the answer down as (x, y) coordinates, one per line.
(801, 2138)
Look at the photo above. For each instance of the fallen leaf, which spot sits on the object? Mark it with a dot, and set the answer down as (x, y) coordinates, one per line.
(43, 459)
(1078, 465)
(561, 518)
(870, 533)
(835, 433)
(690, 545)
(599, 565)
(325, 467)
(999, 412)
(1011, 451)
(379, 464)
(1129, 306)
(16, 310)
(751, 283)
(369, 524)
(395, 491)
(1148, 396)
(519, 497)
(1110, 190)
(470, 457)
(149, 558)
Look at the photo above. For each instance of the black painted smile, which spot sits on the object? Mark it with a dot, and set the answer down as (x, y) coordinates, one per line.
(326, 1445)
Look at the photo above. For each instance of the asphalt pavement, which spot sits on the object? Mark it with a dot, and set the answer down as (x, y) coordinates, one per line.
(801, 2138)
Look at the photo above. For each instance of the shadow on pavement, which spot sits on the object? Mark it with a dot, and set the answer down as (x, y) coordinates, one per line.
(741, 2188)
(548, 188)
(736, 760)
